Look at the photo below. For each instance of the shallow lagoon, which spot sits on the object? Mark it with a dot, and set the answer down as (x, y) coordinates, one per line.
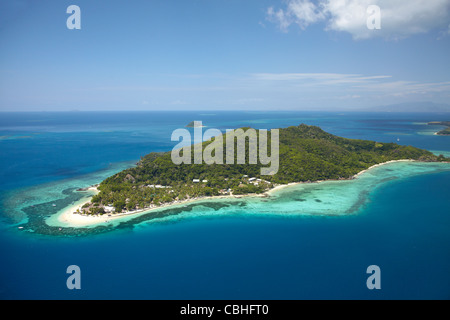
(326, 198)
(310, 241)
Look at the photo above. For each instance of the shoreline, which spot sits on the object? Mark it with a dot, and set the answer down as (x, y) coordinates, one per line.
(72, 219)
(68, 218)
(380, 164)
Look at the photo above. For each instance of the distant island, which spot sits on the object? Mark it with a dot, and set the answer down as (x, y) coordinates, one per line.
(443, 132)
(194, 124)
(306, 153)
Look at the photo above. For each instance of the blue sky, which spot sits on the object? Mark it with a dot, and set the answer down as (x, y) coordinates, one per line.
(222, 55)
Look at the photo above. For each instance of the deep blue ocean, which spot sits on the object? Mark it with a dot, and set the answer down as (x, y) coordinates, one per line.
(403, 227)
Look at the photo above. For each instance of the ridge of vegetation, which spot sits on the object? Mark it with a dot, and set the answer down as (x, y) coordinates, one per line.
(306, 153)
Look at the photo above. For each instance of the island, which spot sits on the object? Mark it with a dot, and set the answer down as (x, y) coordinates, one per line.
(306, 154)
(194, 124)
(443, 132)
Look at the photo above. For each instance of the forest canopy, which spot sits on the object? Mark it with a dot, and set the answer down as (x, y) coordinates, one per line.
(306, 153)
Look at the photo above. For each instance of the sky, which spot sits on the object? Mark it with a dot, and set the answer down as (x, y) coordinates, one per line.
(223, 54)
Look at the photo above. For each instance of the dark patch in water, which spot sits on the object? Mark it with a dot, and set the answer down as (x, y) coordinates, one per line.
(38, 213)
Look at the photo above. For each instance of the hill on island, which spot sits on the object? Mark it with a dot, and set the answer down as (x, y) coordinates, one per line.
(306, 153)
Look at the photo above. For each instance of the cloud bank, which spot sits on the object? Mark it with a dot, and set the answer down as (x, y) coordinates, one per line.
(399, 18)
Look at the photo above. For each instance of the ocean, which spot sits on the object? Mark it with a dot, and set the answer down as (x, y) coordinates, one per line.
(312, 241)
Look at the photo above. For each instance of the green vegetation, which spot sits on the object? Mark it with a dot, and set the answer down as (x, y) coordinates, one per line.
(192, 124)
(306, 153)
(443, 132)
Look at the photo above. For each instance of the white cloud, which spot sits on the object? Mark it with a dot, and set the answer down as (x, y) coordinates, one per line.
(283, 20)
(301, 12)
(305, 11)
(399, 18)
(318, 78)
(348, 86)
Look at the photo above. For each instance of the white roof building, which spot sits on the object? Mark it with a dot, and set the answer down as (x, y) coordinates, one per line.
(109, 208)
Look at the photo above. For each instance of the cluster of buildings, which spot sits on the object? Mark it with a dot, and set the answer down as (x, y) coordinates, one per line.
(158, 186)
(254, 180)
(245, 178)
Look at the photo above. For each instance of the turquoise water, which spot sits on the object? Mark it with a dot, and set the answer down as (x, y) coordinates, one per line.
(311, 241)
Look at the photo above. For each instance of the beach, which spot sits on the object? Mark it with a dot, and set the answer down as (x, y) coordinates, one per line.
(380, 164)
(68, 217)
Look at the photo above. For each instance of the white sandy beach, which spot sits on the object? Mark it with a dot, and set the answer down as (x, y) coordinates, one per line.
(67, 217)
(380, 164)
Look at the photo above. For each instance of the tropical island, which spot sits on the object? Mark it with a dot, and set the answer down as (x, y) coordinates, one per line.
(443, 132)
(306, 153)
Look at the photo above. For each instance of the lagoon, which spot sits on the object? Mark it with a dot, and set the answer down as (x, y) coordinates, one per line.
(309, 241)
